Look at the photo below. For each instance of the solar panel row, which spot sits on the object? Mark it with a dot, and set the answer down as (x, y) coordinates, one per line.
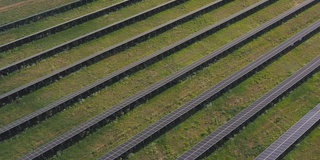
(219, 136)
(44, 14)
(282, 145)
(100, 120)
(88, 37)
(64, 26)
(33, 118)
(173, 118)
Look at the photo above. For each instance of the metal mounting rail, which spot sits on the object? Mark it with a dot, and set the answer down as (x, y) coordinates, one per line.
(216, 138)
(175, 117)
(65, 25)
(44, 14)
(89, 37)
(44, 113)
(102, 119)
(286, 142)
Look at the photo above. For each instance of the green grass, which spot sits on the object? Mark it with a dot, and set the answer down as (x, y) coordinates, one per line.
(29, 9)
(4, 3)
(57, 90)
(16, 33)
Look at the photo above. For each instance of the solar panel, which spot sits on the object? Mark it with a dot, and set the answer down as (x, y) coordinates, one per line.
(202, 147)
(235, 124)
(281, 146)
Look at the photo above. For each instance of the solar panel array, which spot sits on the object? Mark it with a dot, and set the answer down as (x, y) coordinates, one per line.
(46, 80)
(41, 114)
(193, 105)
(27, 121)
(88, 37)
(282, 145)
(64, 26)
(220, 135)
(56, 75)
(44, 14)
(167, 122)
(105, 117)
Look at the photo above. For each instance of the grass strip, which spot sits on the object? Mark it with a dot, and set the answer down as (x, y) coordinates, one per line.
(11, 14)
(44, 14)
(8, 2)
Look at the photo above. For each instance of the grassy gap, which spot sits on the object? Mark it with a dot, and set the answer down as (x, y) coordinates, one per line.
(22, 11)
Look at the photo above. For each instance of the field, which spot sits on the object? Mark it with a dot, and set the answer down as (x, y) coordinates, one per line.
(247, 144)
(9, 8)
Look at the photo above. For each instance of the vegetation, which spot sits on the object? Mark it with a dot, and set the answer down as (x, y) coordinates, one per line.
(4, 3)
(14, 34)
(29, 8)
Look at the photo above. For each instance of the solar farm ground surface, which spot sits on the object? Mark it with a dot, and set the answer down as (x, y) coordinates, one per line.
(25, 8)
(247, 144)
